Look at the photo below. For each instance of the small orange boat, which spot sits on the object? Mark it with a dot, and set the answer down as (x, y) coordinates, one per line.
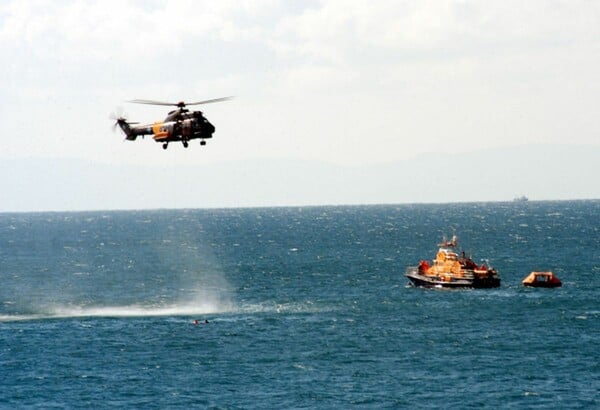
(542, 280)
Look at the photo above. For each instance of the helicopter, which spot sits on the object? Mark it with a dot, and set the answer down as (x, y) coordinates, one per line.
(179, 125)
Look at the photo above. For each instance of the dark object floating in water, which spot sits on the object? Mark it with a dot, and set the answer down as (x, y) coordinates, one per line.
(449, 270)
(521, 198)
(200, 322)
(542, 280)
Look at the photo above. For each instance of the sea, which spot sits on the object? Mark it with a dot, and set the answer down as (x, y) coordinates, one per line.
(298, 307)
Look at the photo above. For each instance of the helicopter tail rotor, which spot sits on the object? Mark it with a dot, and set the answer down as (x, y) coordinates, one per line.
(119, 113)
(121, 121)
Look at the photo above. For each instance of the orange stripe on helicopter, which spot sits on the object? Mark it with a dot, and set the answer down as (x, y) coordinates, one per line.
(159, 132)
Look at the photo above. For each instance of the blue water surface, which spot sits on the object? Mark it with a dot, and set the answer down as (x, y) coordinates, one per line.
(306, 308)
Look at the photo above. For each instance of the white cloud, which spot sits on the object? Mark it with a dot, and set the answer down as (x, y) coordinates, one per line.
(124, 30)
(340, 27)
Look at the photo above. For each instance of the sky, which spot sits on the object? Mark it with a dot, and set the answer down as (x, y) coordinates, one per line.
(342, 82)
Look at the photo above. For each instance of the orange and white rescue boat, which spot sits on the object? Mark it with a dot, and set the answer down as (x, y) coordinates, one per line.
(449, 270)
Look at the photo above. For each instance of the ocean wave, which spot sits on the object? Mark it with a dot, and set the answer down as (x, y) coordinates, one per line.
(64, 312)
(137, 310)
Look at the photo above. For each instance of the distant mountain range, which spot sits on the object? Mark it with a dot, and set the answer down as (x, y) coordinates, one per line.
(539, 172)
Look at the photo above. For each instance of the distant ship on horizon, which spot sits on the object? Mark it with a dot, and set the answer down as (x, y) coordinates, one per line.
(521, 198)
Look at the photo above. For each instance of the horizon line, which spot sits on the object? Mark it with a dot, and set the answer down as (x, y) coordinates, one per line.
(347, 205)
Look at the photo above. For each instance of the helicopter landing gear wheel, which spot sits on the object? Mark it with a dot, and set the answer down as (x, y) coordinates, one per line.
(185, 144)
(202, 142)
(165, 145)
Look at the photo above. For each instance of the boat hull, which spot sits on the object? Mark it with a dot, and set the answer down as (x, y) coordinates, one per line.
(431, 281)
(542, 285)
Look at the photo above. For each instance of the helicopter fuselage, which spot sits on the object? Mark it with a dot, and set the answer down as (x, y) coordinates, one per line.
(179, 125)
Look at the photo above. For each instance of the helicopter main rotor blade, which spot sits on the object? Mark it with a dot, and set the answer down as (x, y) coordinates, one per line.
(151, 102)
(214, 100)
(180, 104)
